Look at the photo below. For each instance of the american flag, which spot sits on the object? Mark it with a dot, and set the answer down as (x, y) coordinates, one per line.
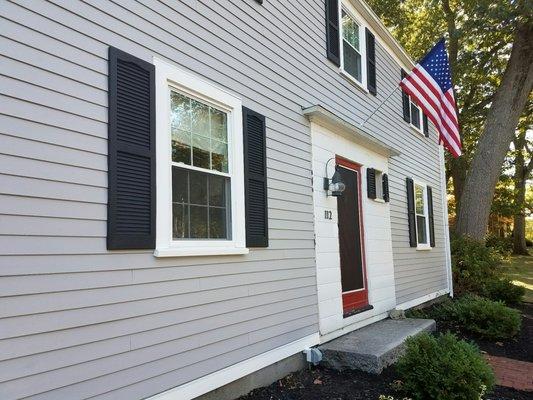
(430, 86)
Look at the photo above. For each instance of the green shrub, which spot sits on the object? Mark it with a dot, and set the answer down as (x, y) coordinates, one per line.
(473, 264)
(443, 368)
(504, 246)
(503, 290)
(483, 317)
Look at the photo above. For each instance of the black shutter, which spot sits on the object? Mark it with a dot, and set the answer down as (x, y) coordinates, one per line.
(425, 124)
(255, 178)
(371, 183)
(371, 62)
(386, 197)
(131, 153)
(431, 218)
(405, 102)
(411, 216)
(332, 31)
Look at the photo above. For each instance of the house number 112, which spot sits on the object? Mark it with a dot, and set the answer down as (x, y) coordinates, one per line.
(328, 214)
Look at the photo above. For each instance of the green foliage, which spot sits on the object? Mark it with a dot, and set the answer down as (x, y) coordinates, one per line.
(482, 317)
(443, 368)
(477, 269)
(504, 246)
(473, 264)
(505, 291)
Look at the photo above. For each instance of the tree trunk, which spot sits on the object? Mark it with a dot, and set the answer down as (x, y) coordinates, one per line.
(502, 119)
(520, 179)
(458, 173)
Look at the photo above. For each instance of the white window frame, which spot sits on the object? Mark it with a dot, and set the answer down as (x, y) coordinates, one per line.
(420, 117)
(352, 12)
(422, 246)
(168, 76)
(378, 180)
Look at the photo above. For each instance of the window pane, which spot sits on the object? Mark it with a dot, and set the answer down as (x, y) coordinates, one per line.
(198, 185)
(180, 221)
(180, 106)
(181, 146)
(198, 222)
(180, 186)
(419, 199)
(415, 115)
(199, 118)
(350, 30)
(219, 156)
(200, 152)
(219, 128)
(217, 191)
(352, 62)
(421, 229)
(217, 223)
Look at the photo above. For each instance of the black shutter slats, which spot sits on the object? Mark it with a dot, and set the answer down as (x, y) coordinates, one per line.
(371, 62)
(425, 124)
(385, 182)
(332, 32)
(405, 102)
(371, 183)
(255, 178)
(430, 217)
(411, 216)
(131, 153)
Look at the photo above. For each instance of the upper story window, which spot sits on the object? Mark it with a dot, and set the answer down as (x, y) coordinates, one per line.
(199, 165)
(416, 115)
(353, 57)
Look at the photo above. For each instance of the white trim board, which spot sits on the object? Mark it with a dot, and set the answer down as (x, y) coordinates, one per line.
(227, 375)
(420, 300)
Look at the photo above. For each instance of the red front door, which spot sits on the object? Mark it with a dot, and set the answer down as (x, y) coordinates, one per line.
(351, 239)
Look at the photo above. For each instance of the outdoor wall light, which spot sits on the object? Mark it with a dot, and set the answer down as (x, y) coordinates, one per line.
(335, 185)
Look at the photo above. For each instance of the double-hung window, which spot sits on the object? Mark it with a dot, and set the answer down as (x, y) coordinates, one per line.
(200, 182)
(353, 57)
(422, 219)
(416, 115)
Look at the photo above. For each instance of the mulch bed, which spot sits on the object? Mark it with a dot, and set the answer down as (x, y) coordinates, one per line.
(324, 384)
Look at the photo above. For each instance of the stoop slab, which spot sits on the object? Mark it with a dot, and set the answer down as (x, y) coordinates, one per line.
(374, 347)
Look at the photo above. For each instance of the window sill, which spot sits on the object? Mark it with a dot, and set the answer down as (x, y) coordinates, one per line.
(353, 81)
(200, 251)
(378, 200)
(417, 130)
(423, 247)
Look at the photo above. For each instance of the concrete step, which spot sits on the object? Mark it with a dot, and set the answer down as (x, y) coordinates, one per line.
(373, 347)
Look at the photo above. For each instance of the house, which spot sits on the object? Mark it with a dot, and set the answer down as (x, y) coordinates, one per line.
(164, 223)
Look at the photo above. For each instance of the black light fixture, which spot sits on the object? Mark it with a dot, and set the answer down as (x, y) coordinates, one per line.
(334, 186)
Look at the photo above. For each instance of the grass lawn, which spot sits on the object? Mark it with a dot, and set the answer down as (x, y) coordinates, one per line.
(520, 269)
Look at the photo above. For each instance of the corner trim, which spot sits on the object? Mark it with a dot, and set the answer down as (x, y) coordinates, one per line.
(220, 378)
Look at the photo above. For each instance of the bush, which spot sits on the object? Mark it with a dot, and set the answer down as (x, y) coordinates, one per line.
(504, 246)
(483, 317)
(503, 290)
(443, 368)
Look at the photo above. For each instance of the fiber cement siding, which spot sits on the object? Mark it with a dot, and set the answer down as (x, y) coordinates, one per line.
(78, 321)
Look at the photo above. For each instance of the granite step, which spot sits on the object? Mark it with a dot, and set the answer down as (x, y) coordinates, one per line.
(374, 347)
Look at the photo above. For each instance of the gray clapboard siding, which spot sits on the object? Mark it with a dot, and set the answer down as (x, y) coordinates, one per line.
(123, 322)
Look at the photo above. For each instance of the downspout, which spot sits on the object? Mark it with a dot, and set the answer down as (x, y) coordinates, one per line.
(444, 200)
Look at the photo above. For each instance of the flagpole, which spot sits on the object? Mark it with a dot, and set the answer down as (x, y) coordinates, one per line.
(381, 104)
